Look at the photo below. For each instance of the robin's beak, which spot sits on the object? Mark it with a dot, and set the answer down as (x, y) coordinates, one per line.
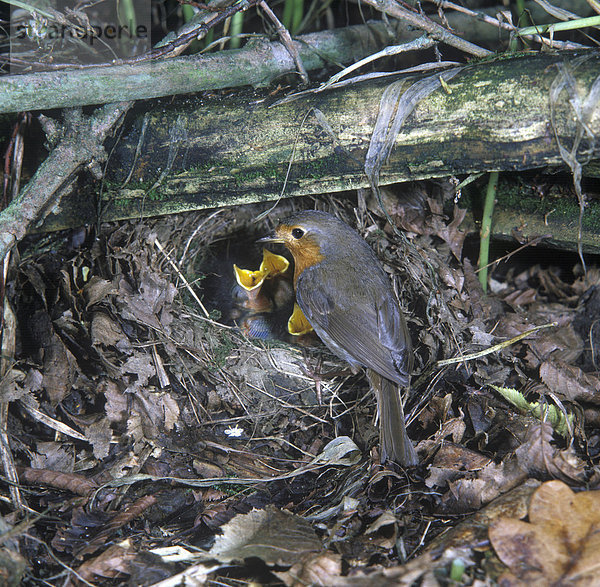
(271, 238)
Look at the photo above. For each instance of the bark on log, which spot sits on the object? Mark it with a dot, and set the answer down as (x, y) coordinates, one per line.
(257, 64)
(207, 152)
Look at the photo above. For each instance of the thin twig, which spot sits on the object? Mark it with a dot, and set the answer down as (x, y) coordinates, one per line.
(286, 39)
(82, 144)
(437, 31)
(181, 276)
(415, 45)
(507, 26)
(495, 348)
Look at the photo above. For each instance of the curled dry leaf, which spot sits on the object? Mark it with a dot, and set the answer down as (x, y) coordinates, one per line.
(561, 343)
(72, 482)
(558, 545)
(60, 367)
(151, 413)
(99, 435)
(492, 481)
(472, 531)
(139, 364)
(55, 456)
(452, 461)
(116, 406)
(151, 304)
(10, 386)
(120, 519)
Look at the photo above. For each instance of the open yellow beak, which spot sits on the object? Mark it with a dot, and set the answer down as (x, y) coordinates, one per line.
(249, 280)
(273, 264)
(298, 324)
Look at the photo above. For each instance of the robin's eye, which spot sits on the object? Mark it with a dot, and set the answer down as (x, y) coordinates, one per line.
(297, 233)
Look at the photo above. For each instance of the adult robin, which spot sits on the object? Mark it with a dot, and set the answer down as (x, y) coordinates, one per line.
(348, 299)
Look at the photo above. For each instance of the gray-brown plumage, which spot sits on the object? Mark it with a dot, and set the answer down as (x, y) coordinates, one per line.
(348, 299)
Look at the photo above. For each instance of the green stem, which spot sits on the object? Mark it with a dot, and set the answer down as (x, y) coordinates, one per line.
(288, 10)
(522, 17)
(569, 25)
(188, 12)
(486, 229)
(237, 24)
(127, 14)
(297, 16)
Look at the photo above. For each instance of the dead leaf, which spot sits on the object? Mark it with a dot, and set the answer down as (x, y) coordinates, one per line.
(315, 569)
(10, 388)
(60, 366)
(97, 289)
(139, 364)
(570, 382)
(276, 536)
(452, 461)
(114, 561)
(561, 343)
(56, 456)
(99, 435)
(105, 331)
(472, 531)
(560, 542)
(537, 456)
(151, 414)
(116, 406)
(151, 304)
(489, 483)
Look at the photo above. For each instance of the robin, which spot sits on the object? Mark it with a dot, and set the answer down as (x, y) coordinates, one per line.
(348, 299)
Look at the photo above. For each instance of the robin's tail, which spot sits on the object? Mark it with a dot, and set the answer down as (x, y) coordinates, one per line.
(393, 439)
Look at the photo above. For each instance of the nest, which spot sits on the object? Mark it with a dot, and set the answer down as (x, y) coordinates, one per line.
(132, 378)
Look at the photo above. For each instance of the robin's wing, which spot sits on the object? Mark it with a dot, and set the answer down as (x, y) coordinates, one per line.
(368, 329)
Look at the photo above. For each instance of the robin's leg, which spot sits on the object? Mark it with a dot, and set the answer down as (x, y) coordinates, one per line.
(315, 372)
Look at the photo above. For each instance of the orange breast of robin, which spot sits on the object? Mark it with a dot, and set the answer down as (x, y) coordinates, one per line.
(306, 251)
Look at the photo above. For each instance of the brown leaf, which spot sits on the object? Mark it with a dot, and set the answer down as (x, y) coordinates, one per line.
(532, 552)
(60, 366)
(556, 503)
(10, 388)
(561, 343)
(560, 543)
(99, 435)
(537, 456)
(314, 569)
(74, 483)
(586, 570)
(151, 304)
(106, 331)
(97, 289)
(151, 414)
(57, 456)
(473, 530)
(452, 461)
(120, 519)
(116, 406)
(492, 481)
(278, 537)
(114, 561)
(139, 364)
(570, 382)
